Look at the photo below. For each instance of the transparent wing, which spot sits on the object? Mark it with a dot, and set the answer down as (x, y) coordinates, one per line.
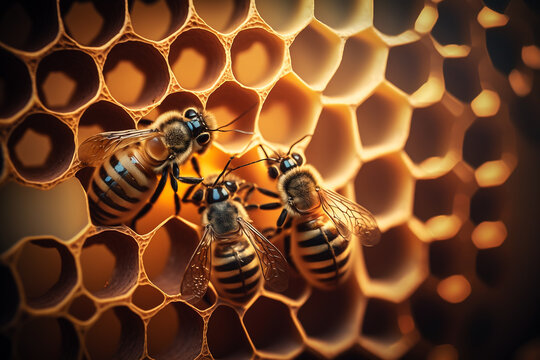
(350, 218)
(100, 146)
(197, 274)
(273, 263)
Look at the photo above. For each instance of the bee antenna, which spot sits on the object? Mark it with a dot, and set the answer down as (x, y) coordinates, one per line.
(235, 130)
(223, 171)
(265, 154)
(250, 163)
(297, 141)
(235, 120)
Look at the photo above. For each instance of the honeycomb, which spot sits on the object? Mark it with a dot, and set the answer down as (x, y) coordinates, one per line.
(413, 107)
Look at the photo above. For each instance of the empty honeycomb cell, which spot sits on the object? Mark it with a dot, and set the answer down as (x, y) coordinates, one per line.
(147, 297)
(257, 56)
(383, 121)
(197, 59)
(483, 142)
(381, 320)
(103, 116)
(47, 337)
(176, 101)
(454, 289)
(343, 162)
(118, 333)
(10, 297)
(289, 112)
(491, 266)
(175, 332)
(384, 187)
(136, 74)
(452, 26)
(435, 197)
(449, 257)
(92, 23)
(346, 16)
(226, 337)
(109, 263)
(223, 16)
(315, 54)
(82, 308)
(487, 204)
(461, 78)
(285, 17)
(432, 315)
(361, 69)
(15, 84)
(332, 317)
(489, 234)
(41, 147)
(66, 80)
(279, 335)
(156, 20)
(168, 253)
(28, 26)
(47, 272)
(227, 103)
(504, 48)
(392, 17)
(60, 212)
(408, 66)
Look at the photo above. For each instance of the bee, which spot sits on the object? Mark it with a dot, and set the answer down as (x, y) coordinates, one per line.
(124, 184)
(232, 253)
(324, 222)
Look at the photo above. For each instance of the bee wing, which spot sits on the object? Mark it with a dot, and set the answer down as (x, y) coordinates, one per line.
(350, 218)
(272, 261)
(100, 146)
(197, 274)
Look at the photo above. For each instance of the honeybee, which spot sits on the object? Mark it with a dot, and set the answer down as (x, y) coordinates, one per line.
(124, 185)
(232, 253)
(324, 222)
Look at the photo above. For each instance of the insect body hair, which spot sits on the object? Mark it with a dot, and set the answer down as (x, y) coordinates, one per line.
(300, 186)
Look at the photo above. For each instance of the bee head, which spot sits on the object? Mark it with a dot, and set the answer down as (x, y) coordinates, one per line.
(197, 123)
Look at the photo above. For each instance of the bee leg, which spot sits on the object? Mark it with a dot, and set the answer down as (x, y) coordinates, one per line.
(184, 179)
(196, 167)
(267, 192)
(269, 206)
(153, 199)
(174, 186)
(281, 219)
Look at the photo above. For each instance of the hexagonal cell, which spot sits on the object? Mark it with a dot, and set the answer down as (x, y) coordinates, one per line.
(346, 16)
(47, 272)
(10, 297)
(484, 141)
(257, 57)
(155, 20)
(384, 187)
(47, 338)
(383, 121)
(136, 74)
(97, 118)
(315, 54)
(28, 26)
(279, 335)
(381, 321)
(168, 253)
(433, 197)
(343, 162)
(392, 17)
(504, 48)
(197, 59)
(361, 69)
(175, 330)
(432, 315)
(452, 26)
(147, 297)
(491, 266)
(289, 112)
(397, 264)
(461, 78)
(488, 204)
(408, 66)
(450, 257)
(223, 16)
(66, 80)
(285, 17)
(60, 212)
(117, 334)
(176, 101)
(226, 336)
(229, 102)
(41, 147)
(92, 23)
(109, 263)
(15, 77)
(336, 325)
(82, 308)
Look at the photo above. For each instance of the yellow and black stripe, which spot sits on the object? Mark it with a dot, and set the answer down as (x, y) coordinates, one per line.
(236, 272)
(120, 187)
(320, 253)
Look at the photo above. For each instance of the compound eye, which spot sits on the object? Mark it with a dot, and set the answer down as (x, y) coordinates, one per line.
(203, 139)
(231, 186)
(298, 158)
(273, 172)
(191, 114)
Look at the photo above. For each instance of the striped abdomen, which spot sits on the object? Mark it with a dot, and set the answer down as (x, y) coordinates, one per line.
(321, 255)
(120, 187)
(236, 273)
